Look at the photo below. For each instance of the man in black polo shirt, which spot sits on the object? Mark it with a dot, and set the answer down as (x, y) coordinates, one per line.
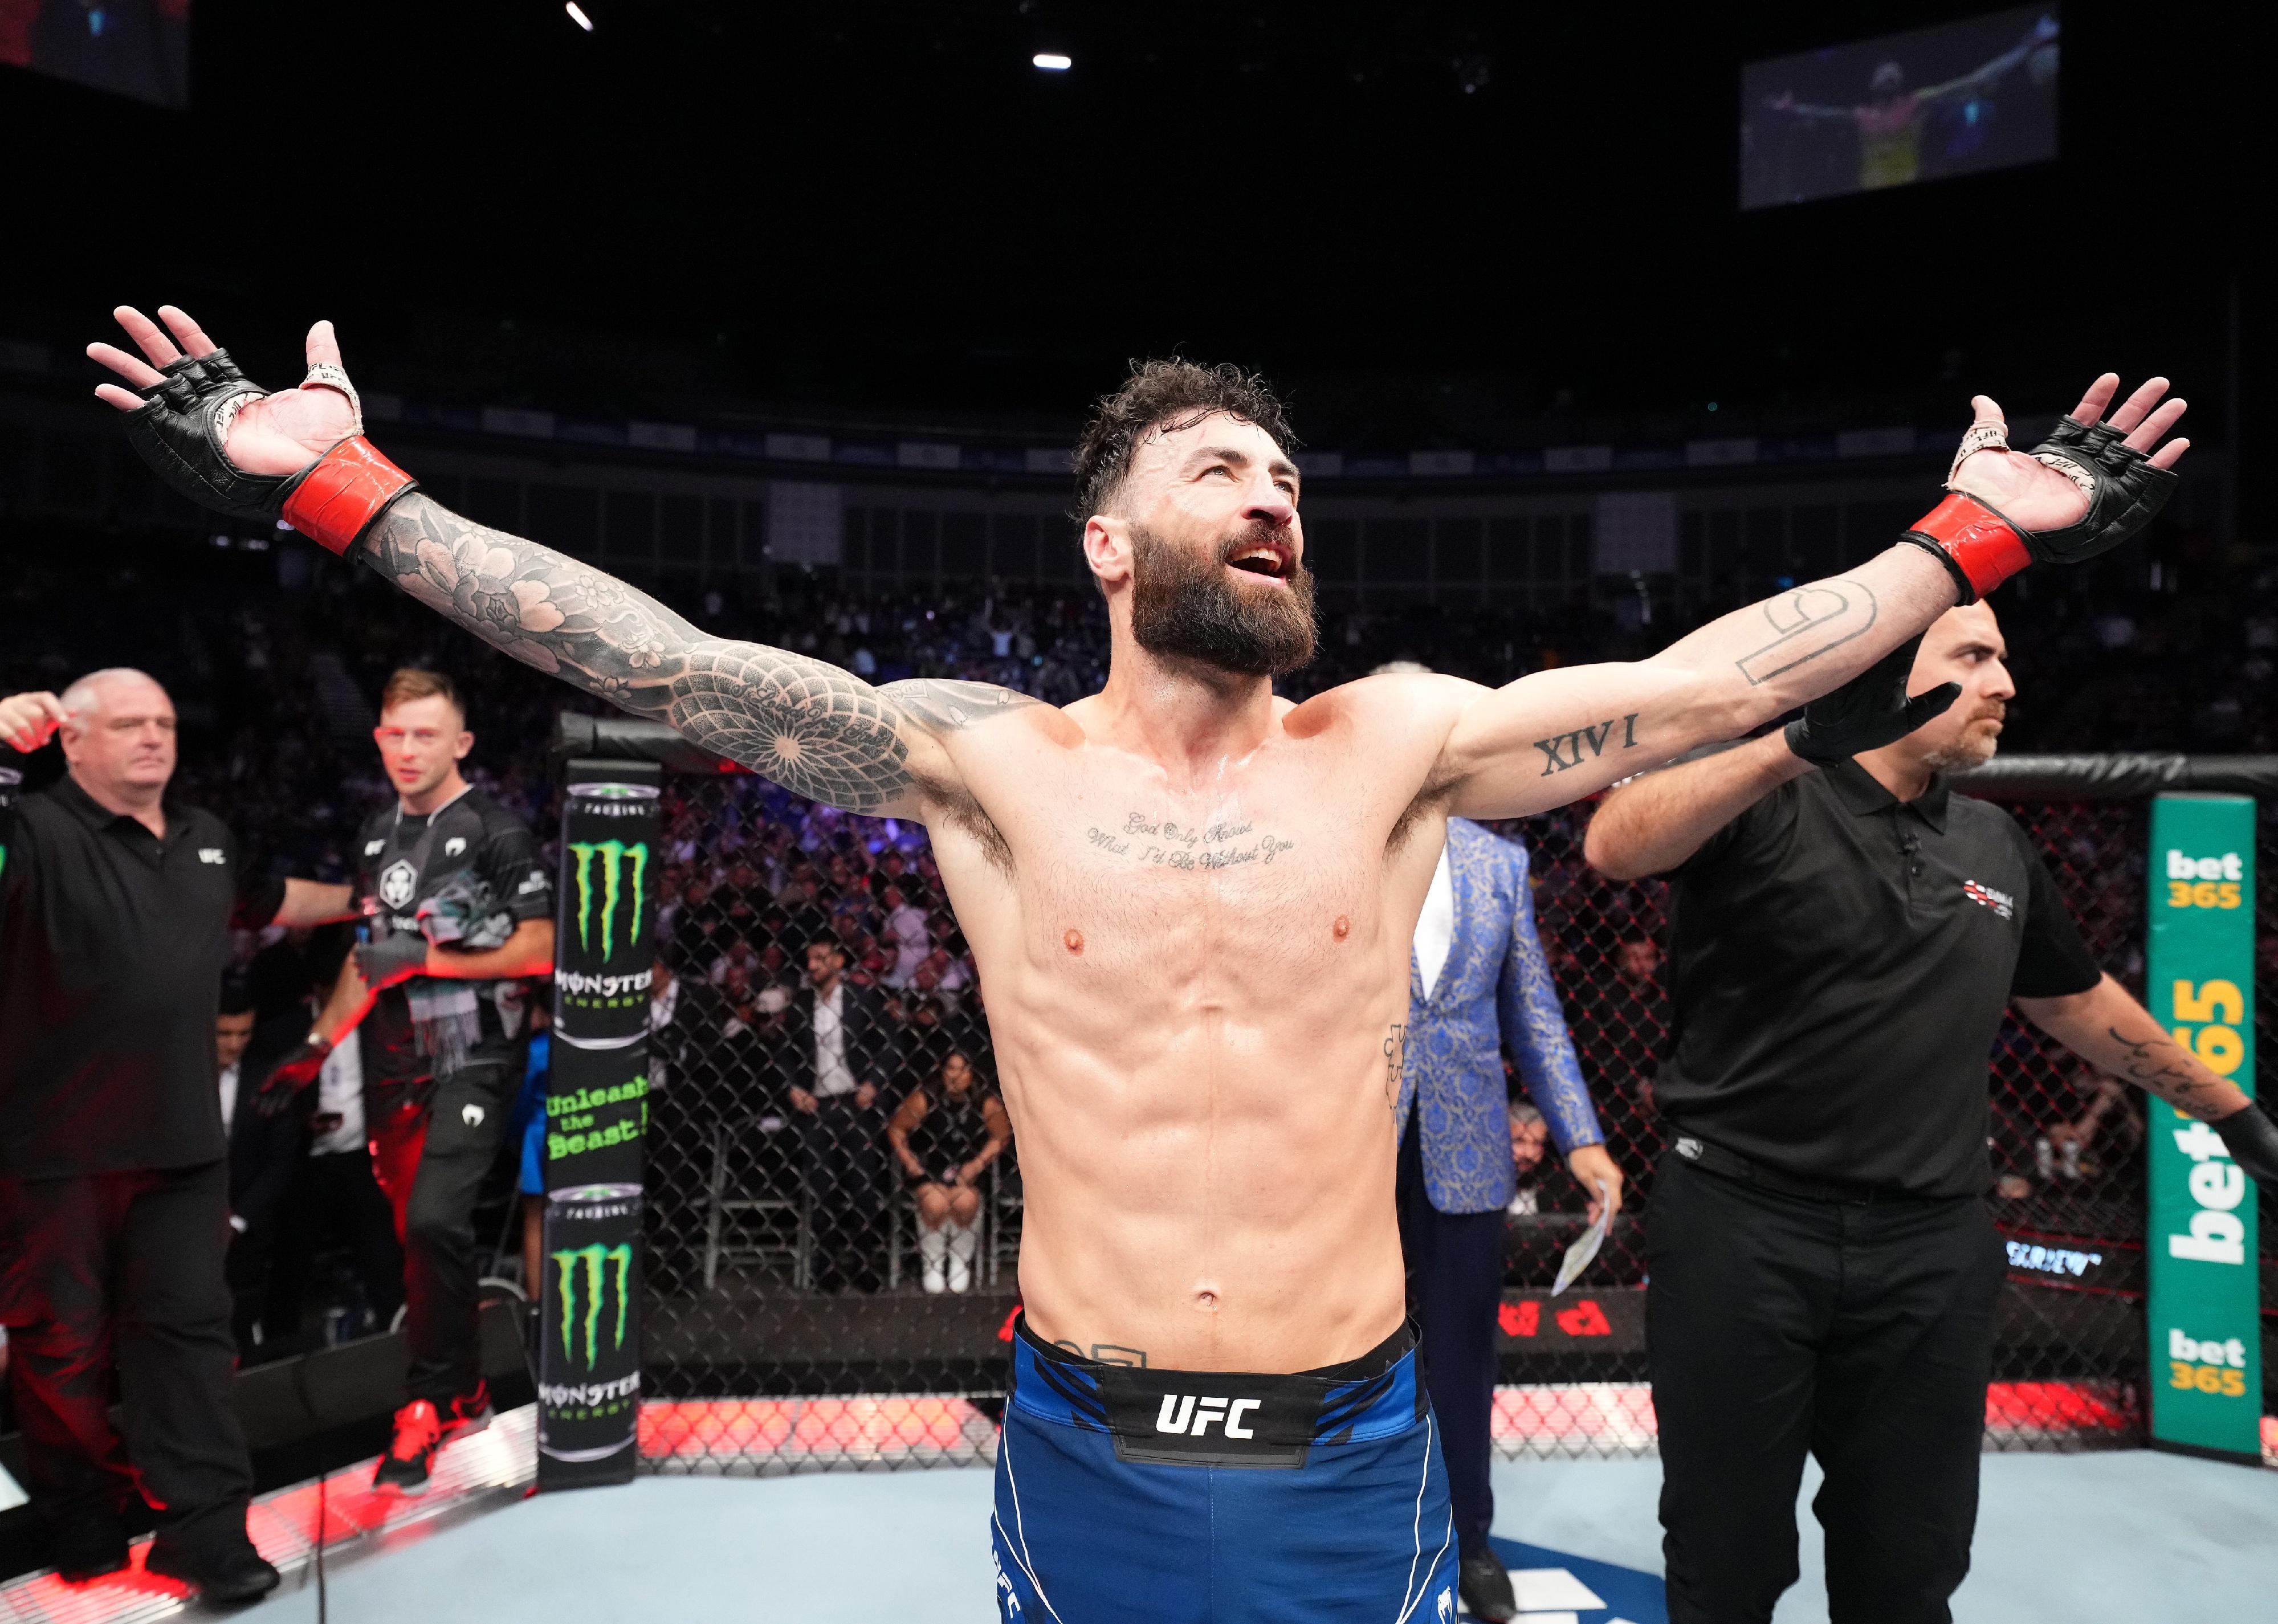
(116, 905)
(1846, 934)
(459, 909)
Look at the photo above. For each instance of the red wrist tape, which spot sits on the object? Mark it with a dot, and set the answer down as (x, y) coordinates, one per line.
(344, 492)
(1985, 547)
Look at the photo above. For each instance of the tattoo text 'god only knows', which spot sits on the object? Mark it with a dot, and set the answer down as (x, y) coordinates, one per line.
(1203, 847)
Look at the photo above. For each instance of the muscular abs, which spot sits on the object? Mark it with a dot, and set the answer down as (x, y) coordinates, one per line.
(1191, 995)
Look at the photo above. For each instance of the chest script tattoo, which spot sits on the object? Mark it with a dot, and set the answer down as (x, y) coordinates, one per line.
(1165, 843)
(1563, 750)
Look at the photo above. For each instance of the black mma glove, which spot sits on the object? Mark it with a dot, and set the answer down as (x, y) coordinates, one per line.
(2252, 1138)
(292, 1074)
(1982, 547)
(182, 428)
(1868, 712)
(2124, 491)
(391, 961)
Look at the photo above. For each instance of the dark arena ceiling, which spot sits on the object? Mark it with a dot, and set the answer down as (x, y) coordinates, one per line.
(1424, 219)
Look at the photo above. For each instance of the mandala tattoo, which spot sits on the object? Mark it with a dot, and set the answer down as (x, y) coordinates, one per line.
(817, 730)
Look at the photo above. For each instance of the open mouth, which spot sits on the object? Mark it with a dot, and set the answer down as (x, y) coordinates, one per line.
(1265, 558)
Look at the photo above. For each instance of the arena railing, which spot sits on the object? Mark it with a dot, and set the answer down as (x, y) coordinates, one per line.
(755, 1362)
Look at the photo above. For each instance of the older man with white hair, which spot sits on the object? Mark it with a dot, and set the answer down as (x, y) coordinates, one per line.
(116, 905)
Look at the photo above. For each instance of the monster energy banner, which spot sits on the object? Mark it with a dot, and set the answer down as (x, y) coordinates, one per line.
(596, 1108)
(589, 1365)
(2204, 1316)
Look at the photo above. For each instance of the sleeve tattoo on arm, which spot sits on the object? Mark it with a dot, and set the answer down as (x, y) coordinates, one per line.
(812, 728)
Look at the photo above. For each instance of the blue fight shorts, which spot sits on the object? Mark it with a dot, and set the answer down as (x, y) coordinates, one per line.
(1129, 1496)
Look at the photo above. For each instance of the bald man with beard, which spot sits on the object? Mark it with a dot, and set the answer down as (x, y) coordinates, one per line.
(116, 906)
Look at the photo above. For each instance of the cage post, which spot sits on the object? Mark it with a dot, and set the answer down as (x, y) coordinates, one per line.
(596, 1111)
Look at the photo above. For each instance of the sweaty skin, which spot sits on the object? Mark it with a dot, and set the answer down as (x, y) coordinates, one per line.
(1191, 903)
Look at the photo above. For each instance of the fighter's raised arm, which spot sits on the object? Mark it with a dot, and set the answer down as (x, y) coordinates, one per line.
(811, 726)
(1557, 735)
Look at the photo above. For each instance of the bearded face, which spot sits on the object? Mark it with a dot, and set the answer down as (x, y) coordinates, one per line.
(1974, 742)
(1188, 604)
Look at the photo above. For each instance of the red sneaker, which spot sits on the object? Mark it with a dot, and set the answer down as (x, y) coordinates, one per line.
(411, 1457)
(470, 1412)
(421, 1431)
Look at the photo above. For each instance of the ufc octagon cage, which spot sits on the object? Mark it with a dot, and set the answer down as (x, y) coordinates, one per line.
(737, 1284)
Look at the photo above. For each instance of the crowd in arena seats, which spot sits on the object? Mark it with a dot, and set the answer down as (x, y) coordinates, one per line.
(275, 683)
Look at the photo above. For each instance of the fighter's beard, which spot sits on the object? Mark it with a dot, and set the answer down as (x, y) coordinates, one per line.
(1183, 607)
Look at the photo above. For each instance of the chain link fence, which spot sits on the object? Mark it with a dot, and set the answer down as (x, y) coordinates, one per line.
(826, 1290)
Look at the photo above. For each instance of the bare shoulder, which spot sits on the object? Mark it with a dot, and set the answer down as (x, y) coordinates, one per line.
(1409, 710)
(945, 707)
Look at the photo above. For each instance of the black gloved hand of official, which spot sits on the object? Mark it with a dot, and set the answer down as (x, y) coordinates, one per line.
(391, 960)
(2252, 1138)
(292, 1074)
(1868, 712)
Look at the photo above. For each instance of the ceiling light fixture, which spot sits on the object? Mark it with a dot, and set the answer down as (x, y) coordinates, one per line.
(577, 15)
(1052, 61)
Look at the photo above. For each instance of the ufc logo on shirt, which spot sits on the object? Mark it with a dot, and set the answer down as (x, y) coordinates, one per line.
(211, 854)
(1184, 1415)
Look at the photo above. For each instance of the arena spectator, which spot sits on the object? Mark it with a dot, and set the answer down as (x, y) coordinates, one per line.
(946, 1133)
(336, 1199)
(264, 1150)
(1620, 1026)
(906, 932)
(1530, 1134)
(704, 1066)
(838, 1047)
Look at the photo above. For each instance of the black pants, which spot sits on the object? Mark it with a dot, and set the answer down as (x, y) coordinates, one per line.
(846, 1177)
(1455, 1286)
(431, 1164)
(333, 1196)
(1862, 1335)
(121, 1273)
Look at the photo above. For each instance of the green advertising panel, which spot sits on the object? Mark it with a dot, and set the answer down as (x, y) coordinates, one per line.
(2205, 1313)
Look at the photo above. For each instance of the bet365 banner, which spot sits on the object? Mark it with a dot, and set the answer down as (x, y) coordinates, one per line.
(2205, 1315)
(596, 1109)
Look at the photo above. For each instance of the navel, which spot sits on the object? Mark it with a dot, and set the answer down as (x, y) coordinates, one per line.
(1074, 941)
(1341, 929)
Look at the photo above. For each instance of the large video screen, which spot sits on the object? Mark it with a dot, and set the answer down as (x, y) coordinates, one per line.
(137, 48)
(1964, 96)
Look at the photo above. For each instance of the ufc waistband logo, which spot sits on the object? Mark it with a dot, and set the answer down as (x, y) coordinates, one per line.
(1182, 1411)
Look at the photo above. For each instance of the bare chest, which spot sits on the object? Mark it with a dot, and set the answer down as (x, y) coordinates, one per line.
(1269, 882)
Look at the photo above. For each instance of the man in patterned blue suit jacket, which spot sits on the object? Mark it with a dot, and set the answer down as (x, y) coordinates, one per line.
(1477, 980)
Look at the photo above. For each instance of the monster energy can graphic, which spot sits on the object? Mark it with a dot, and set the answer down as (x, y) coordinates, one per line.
(589, 1360)
(596, 1110)
(608, 873)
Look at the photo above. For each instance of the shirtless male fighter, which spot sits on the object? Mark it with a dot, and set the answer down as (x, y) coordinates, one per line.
(1192, 904)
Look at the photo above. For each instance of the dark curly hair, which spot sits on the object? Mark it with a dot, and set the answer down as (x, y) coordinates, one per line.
(1171, 394)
